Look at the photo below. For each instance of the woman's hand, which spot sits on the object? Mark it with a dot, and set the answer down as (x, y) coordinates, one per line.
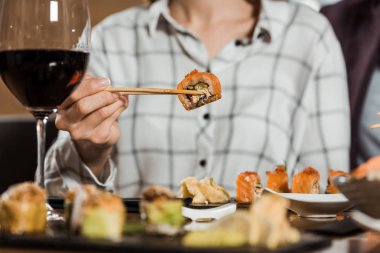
(90, 115)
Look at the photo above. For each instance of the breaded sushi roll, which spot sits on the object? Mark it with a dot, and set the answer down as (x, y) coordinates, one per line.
(205, 82)
(23, 209)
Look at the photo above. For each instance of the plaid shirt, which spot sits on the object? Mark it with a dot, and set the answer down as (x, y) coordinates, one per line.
(284, 98)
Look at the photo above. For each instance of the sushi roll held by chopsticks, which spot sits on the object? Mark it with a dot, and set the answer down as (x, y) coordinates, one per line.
(206, 82)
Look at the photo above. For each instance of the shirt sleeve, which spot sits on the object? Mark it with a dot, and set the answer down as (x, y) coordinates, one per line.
(327, 138)
(64, 169)
(63, 165)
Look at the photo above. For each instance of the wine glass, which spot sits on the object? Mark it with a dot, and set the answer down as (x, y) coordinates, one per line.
(44, 47)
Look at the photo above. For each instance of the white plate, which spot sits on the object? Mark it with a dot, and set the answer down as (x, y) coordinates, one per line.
(366, 221)
(315, 205)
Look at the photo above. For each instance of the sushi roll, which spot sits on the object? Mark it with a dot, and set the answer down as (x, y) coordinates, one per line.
(331, 188)
(269, 223)
(228, 232)
(87, 190)
(95, 213)
(161, 210)
(306, 181)
(206, 82)
(248, 187)
(23, 209)
(278, 179)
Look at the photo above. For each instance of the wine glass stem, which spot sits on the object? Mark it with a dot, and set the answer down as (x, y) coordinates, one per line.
(41, 137)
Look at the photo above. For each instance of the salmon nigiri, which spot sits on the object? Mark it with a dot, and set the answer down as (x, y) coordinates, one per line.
(248, 187)
(277, 180)
(331, 188)
(306, 181)
(369, 169)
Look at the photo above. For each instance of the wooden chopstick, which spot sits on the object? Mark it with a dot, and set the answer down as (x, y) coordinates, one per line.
(374, 126)
(153, 91)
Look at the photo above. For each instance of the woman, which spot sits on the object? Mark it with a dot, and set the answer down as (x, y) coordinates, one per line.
(284, 97)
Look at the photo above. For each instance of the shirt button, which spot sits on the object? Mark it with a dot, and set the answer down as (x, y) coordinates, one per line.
(203, 163)
(206, 116)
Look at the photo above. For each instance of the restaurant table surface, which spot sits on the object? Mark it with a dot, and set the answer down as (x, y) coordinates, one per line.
(364, 242)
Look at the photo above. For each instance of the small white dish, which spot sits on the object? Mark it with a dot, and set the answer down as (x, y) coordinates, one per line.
(315, 205)
(214, 213)
(366, 221)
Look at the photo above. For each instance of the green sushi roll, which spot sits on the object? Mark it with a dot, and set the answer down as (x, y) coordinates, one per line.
(96, 214)
(162, 211)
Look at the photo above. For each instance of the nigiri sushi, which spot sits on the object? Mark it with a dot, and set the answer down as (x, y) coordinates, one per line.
(206, 82)
(248, 187)
(369, 170)
(331, 188)
(277, 180)
(306, 181)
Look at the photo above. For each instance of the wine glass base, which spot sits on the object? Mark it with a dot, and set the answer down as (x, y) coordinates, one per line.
(39, 113)
(52, 215)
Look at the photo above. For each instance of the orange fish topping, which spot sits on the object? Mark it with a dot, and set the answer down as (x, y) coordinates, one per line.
(248, 186)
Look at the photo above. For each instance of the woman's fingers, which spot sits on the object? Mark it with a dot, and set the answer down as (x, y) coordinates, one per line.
(90, 104)
(90, 113)
(108, 131)
(89, 86)
(85, 127)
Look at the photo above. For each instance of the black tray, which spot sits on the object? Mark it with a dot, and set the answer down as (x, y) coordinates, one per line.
(132, 204)
(142, 243)
(58, 237)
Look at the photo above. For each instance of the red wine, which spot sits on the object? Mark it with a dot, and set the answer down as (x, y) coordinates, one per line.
(42, 78)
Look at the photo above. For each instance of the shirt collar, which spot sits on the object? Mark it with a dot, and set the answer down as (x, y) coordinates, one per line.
(159, 10)
(270, 25)
(273, 19)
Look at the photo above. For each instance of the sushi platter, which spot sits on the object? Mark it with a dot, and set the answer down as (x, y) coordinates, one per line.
(202, 217)
(94, 220)
(58, 237)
